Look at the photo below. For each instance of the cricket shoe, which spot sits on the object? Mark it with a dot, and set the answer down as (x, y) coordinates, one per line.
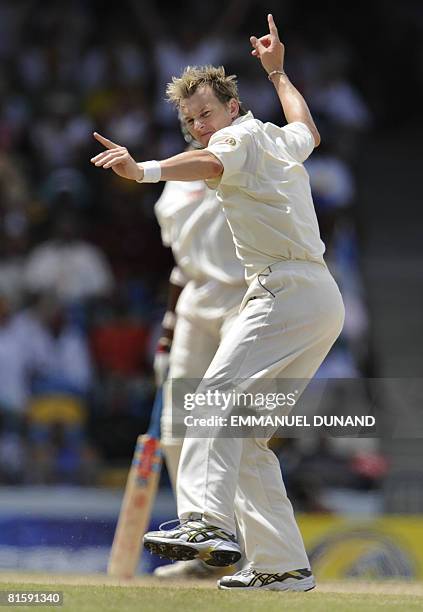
(194, 539)
(250, 579)
(188, 570)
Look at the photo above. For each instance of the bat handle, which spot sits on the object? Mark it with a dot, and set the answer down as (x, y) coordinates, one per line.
(156, 413)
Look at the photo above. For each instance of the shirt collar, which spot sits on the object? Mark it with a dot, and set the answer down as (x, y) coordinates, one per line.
(243, 118)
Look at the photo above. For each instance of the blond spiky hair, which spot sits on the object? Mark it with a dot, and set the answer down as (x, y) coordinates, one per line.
(193, 77)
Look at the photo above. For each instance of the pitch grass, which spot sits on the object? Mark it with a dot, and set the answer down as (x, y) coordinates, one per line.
(339, 598)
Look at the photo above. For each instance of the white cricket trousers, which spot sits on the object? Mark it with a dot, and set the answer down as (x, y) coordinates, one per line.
(196, 339)
(285, 331)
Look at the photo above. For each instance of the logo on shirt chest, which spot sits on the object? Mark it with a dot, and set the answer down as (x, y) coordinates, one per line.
(230, 141)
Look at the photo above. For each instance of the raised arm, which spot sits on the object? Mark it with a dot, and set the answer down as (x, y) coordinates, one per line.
(271, 52)
(187, 166)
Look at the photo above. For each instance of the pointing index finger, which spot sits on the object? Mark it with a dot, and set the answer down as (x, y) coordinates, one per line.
(109, 144)
(272, 26)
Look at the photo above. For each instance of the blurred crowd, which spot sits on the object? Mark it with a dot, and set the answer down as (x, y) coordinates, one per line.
(83, 274)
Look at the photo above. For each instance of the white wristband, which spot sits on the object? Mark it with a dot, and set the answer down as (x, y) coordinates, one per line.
(152, 172)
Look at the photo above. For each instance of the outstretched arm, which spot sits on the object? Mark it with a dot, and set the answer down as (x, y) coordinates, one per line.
(271, 52)
(188, 166)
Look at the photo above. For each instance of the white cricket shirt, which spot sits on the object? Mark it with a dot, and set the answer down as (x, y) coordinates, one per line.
(175, 205)
(265, 192)
(194, 225)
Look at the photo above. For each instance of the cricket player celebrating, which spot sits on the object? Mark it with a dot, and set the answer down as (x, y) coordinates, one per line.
(195, 227)
(289, 318)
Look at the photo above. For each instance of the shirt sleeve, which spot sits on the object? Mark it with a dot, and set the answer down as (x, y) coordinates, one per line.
(299, 140)
(230, 148)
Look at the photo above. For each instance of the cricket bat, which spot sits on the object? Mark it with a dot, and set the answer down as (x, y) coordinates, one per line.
(140, 492)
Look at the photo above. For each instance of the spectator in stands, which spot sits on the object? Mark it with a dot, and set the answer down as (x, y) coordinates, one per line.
(58, 410)
(68, 265)
(63, 357)
(333, 187)
(16, 360)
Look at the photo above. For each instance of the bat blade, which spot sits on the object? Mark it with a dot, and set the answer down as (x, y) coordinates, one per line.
(140, 492)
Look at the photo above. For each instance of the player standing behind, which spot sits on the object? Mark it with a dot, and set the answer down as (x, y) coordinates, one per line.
(286, 331)
(195, 227)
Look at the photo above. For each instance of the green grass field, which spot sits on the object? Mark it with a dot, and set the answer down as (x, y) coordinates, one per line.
(94, 593)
